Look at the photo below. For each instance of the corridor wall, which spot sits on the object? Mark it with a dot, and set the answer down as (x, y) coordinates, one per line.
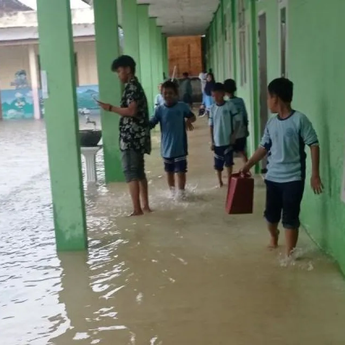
(315, 56)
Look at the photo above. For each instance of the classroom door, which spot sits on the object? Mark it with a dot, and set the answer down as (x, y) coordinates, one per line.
(262, 41)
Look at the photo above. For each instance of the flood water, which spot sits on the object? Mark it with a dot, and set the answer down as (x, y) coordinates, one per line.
(185, 274)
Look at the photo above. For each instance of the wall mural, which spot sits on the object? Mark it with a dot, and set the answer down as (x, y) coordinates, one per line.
(18, 103)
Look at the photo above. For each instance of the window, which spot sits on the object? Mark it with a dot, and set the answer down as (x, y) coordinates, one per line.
(283, 37)
(242, 40)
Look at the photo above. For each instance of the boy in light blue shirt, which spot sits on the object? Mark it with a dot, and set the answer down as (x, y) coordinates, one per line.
(174, 118)
(284, 142)
(224, 125)
(243, 133)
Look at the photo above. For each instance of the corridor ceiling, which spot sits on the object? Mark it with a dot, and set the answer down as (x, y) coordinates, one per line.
(179, 17)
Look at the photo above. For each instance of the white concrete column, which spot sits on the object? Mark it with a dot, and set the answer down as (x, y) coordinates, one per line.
(34, 81)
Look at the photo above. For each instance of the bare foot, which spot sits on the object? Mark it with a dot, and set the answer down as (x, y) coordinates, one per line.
(274, 241)
(221, 184)
(136, 213)
(147, 209)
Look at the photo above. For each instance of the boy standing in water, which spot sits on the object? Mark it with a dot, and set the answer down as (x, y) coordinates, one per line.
(224, 124)
(284, 140)
(135, 140)
(241, 139)
(174, 118)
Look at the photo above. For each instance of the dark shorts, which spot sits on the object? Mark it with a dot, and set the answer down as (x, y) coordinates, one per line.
(240, 145)
(133, 165)
(223, 155)
(283, 200)
(175, 165)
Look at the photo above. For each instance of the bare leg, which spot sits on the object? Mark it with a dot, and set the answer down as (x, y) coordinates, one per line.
(274, 232)
(244, 156)
(219, 174)
(181, 181)
(144, 195)
(171, 180)
(229, 170)
(291, 237)
(134, 191)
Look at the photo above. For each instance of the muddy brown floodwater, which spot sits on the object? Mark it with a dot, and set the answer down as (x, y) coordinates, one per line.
(186, 274)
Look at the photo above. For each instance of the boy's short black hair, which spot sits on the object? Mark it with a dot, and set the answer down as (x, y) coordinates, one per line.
(282, 88)
(230, 86)
(170, 85)
(186, 74)
(124, 61)
(218, 87)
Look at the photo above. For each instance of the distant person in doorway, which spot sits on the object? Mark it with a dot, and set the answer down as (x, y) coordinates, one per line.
(174, 118)
(208, 102)
(186, 90)
(222, 121)
(242, 133)
(285, 137)
(203, 80)
(135, 140)
(159, 100)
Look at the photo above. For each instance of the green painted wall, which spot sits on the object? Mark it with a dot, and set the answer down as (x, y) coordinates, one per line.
(315, 59)
(316, 55)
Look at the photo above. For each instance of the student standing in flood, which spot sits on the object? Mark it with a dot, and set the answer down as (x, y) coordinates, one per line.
(285, 137)
(135, 139)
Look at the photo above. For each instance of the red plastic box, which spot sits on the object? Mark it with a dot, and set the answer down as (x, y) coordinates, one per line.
(240, 194)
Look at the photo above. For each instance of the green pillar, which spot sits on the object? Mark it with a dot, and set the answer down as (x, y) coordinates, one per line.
(62, 124)
(154, 54)
(234, 37)
(131, 30)
(165, 55)
(255, 80)
(107, 49)
(224, 43)
(214, 48)
(145, 54)
(160, 53)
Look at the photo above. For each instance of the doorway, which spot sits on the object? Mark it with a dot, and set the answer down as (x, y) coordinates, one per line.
(262, 52)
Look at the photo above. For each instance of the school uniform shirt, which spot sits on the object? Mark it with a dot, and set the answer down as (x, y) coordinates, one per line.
(243, 116)
(135, 131)
(159, 100)
(172, 120)
(222, 119)
(285, 141)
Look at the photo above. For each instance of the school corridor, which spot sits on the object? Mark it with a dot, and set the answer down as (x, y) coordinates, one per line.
(185, 274)
(75, 270)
